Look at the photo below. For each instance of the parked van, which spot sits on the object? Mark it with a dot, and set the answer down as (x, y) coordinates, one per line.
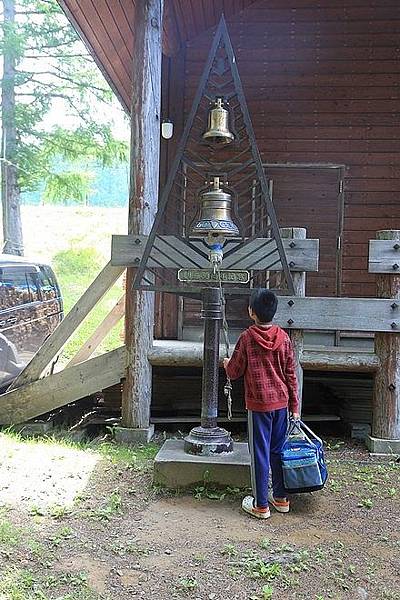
(30, 309)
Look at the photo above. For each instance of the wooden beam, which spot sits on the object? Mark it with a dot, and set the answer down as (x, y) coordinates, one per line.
(171, 38)
(338, 314)
(127, 250)
(384, 256)
(340, 359)
(57, 340)
(86, 351)
(172, 353)
(386, 397)
(56, 390)
(296, 235)
(143, 200)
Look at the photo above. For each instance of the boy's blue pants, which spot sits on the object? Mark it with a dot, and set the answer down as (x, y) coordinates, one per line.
(267, 434)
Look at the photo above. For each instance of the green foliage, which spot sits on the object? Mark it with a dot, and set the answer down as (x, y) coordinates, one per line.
(67, 186)
(55, 71)
(112, 508)
(77, 262)
(187, 584)
(10, 535)
(267, 592)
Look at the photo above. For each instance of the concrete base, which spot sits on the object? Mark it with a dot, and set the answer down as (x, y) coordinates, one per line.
(128, 435)
(360, 431)
(380, 446)
(173, 468)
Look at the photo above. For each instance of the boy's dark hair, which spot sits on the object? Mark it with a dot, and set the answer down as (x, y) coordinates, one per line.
(264, 303)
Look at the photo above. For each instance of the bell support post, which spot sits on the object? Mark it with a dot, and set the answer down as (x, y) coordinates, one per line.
(209, 438)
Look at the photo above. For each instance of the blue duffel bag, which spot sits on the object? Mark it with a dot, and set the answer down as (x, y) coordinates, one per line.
(303, 463)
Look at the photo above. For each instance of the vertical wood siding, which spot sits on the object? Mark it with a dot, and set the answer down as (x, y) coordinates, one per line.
(323, 86)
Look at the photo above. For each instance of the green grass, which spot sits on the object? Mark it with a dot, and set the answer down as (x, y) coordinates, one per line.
(119, 454)
(75, 269)
(24, 584)
(10, 535)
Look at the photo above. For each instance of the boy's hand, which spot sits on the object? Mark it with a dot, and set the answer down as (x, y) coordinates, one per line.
(226, 361)
(296, 416)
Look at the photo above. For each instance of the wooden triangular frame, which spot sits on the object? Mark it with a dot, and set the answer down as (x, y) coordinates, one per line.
(149, 282)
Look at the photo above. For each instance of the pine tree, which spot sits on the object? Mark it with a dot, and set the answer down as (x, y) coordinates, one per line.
(47, 67)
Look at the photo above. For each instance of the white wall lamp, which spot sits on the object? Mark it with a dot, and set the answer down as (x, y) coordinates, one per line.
(167, 129)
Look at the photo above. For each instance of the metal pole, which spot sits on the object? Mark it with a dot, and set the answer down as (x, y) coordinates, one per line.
(209, 438)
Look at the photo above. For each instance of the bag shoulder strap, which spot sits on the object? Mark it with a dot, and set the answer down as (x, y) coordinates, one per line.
(302, 428)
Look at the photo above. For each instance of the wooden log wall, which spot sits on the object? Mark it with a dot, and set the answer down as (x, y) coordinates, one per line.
(322, 85)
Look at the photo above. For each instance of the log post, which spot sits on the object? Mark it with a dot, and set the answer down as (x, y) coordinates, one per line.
(299, 283)
(386, 397)
(143, 200)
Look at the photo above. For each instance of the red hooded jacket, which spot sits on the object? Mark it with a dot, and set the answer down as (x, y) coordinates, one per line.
(264, 355)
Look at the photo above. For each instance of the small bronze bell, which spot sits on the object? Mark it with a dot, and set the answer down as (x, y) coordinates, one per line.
(218, 125)
(215, 215)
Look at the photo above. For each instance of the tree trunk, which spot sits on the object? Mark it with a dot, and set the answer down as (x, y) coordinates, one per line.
(10, 193)
(143, 201)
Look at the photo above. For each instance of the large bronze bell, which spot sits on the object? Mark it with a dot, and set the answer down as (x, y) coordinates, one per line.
(218, 125)
(215, 214)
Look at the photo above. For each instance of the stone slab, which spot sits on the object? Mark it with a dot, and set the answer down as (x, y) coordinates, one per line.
(173, 468)
(131, 435)
(381, 446)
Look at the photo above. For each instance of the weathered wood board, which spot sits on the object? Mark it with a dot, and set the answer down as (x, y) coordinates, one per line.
(384, 256)
(56, 390)
(338, 314)
(172, 353)
(173, 253)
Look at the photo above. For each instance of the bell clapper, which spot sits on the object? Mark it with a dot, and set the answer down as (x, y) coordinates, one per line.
(216, 255)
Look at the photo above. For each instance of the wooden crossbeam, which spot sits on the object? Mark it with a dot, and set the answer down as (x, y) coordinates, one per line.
(173, 253)
(338, 314)
(384, 256)
(73, 383)
(86, 351)
(173, 353)
(57, 340)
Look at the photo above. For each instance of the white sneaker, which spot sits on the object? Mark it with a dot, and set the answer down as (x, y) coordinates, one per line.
(258, 513)
(282, 506)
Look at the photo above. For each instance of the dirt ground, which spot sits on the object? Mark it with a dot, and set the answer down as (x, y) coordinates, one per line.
(85, 523)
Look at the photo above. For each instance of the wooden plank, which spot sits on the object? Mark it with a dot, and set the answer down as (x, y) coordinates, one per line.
(384, 256)
(338, 314)
(332, 41)
(126, 251)
(256, 14)
(171, 353)
(73, 383)
(299, 283)
(95, 44)
(52, 346)
(194, 419)
(337, 133)
(101, 45)
(86, 351)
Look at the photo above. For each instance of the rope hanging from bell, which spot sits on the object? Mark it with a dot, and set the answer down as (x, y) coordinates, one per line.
(225, 331)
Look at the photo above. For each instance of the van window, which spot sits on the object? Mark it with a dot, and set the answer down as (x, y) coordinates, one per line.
(47, 285)
(14, 289)
(33, 286)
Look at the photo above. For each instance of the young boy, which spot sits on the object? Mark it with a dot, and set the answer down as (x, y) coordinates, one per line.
(264, 355)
